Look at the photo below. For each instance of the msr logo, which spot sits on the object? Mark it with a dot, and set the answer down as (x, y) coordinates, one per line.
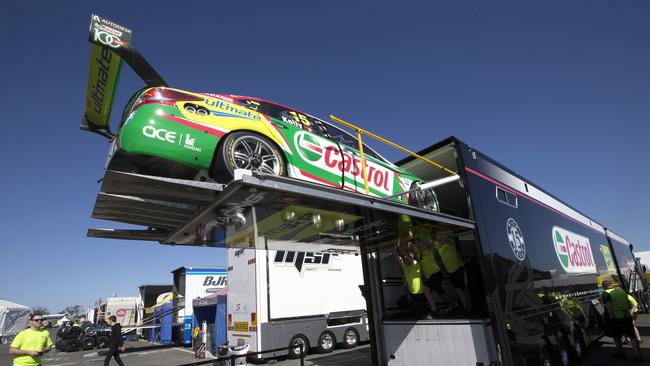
(304, 261)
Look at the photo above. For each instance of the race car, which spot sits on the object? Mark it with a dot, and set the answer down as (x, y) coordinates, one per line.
(181, 134)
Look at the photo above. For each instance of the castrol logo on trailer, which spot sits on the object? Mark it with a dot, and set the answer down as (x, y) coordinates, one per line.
(573, 251)
(325, 155)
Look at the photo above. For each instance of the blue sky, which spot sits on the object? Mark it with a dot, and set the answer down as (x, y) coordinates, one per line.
(557, 91)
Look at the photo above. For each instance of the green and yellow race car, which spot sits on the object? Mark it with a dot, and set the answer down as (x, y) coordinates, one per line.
(175, 133)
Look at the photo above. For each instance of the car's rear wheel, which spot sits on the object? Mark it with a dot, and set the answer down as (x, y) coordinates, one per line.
(246, 150)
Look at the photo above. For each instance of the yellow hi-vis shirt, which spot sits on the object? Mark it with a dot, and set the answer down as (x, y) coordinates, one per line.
(412, 277)
(621, 303)
(428, 263)
(449, 255)
(31, 340)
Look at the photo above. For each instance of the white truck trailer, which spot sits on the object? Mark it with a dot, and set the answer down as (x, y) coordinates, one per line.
(279, 299)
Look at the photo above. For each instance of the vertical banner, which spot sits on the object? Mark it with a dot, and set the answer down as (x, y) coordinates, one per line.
(103, 72)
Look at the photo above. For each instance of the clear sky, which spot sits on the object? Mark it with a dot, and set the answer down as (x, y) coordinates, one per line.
(558, 91)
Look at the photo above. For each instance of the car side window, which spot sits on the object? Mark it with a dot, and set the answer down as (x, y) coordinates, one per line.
(296, 119)
(341, 136)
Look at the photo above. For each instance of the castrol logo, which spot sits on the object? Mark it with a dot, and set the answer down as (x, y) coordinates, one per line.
(573, 251)
(326, 155)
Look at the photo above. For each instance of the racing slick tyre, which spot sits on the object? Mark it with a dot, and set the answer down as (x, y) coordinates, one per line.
(60, 344)
(247, 150)
(426, 199)
(294, 346)
(102, 342)
(88, 343)
(350, 338)
(326, 342)
(71, 345)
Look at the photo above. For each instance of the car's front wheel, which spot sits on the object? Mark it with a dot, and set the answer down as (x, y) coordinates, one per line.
(246, 150)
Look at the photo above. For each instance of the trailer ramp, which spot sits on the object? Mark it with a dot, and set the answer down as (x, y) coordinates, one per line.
(291, 214)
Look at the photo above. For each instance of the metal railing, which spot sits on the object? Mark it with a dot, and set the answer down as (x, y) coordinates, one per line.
(360, 131)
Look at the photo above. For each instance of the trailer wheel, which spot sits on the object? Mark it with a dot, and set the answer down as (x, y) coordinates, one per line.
(350, 338)
(89, 343)
(294, 346)
(326, 342)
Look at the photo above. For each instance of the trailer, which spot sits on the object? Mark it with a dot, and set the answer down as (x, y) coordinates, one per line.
(125, 310)
(280, 298)
(192, 283)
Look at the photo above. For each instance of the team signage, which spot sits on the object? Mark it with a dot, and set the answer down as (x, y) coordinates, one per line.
(573, 251)
(103, 71)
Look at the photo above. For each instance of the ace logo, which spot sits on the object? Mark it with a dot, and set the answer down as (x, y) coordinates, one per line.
(573, 251)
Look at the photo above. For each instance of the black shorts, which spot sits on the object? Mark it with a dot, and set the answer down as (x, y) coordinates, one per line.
(458, 279)
(624, 326)
(434, 282)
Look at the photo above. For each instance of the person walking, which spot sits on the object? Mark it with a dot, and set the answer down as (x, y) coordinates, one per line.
(115, 342)
(620, 310)
(31, 343)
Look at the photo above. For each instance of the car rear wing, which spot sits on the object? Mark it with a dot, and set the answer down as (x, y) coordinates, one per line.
(111, 43)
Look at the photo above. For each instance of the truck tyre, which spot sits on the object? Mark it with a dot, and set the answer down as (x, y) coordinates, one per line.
(350, 338)
(294, 346)
(89, 343)
(247, 150)
(326, 342)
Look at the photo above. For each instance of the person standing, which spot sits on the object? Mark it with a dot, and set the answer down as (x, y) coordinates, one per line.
(115, 342)
(30, 344)
(620, 310)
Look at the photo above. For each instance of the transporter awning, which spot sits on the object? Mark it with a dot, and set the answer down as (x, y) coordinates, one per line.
(297, 215)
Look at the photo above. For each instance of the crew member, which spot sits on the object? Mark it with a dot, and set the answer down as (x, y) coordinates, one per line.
(620, 310)
(115, 342)
(31, 343)
(453, 265)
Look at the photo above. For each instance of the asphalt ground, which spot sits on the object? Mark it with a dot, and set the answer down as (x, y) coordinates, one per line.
(142, 353)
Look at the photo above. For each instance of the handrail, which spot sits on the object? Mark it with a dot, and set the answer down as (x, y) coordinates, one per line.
(361, 131)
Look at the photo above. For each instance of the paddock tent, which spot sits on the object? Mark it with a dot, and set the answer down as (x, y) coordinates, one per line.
(13, 318)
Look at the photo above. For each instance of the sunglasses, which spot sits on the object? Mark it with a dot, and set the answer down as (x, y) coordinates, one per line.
(37, 320)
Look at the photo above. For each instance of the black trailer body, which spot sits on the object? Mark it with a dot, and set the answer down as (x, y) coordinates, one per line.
(534, 263)
(529, 264)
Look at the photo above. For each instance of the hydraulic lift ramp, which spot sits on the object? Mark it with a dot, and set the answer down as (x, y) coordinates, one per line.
(160, 204)
(303, 216)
